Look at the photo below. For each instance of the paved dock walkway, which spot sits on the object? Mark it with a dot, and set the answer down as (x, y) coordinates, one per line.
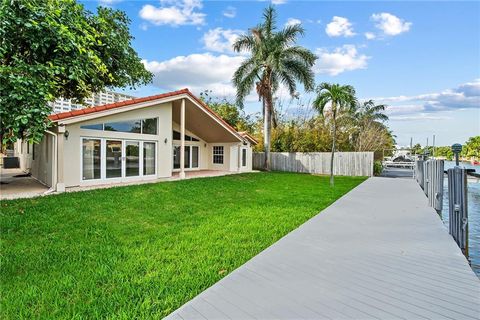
(377, 253)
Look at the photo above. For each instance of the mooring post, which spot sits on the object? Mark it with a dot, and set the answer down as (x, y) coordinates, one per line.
(457, 202)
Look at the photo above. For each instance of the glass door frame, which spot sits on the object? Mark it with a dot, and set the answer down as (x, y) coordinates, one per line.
(103, 160)
(190, 157)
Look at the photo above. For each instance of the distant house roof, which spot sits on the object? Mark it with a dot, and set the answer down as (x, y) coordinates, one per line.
(247, 136)
(80, 112)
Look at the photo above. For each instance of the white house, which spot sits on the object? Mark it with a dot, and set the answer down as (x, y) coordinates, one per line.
(140, 139)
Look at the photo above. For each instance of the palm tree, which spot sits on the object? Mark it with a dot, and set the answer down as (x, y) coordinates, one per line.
(274, 60)
(369, 111)
(340, 98)
(370, 132)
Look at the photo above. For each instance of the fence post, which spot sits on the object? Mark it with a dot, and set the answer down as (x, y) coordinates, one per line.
(458, 207)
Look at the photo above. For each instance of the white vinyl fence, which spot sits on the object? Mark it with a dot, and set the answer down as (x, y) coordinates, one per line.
(345, 163)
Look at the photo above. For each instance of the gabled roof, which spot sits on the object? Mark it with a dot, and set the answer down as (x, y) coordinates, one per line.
(247, 136)
(77, 113)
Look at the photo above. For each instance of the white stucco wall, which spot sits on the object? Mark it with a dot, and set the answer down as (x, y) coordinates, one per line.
(73, 145)
(40, 160)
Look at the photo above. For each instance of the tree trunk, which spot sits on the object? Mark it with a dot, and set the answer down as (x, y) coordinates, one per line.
(333, 149)
(267, 121)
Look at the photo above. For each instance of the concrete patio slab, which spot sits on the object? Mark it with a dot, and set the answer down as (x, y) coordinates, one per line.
(14, 185)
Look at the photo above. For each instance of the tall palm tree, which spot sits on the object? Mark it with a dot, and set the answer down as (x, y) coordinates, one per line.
(340, 98)
(274, 59)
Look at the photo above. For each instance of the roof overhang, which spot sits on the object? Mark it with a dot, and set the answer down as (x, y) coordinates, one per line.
(193, 121)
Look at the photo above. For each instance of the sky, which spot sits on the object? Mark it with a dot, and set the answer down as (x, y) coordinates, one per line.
(422, 59)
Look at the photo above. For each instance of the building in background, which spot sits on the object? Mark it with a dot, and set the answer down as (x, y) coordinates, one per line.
(97, 99)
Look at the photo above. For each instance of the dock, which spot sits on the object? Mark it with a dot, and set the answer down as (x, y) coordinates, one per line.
(379, 252)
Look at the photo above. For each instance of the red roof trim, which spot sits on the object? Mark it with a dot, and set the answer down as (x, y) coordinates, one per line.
(85, 111)
(247, 135)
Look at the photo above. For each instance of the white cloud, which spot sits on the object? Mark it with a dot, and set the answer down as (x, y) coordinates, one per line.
(220, 40)
(389, 24)
(174, 13)
(197, 72)
(292, 22)
(345, 58)
(279, 1)
(230, 12)
(369, 35)
(339, 26)
(464, 96)
(418, 117)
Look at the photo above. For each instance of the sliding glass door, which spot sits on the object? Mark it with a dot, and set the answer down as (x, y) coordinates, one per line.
(113, 159)
(132, 158)
(191, 156)
(91, 151)
(149, 157)
(117, 159)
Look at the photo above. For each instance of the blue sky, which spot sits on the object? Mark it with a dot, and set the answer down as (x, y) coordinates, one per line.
(421, 58)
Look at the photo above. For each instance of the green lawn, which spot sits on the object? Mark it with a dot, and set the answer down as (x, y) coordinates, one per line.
(142, 251)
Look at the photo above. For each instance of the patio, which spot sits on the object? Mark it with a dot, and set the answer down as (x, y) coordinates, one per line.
(15, 184)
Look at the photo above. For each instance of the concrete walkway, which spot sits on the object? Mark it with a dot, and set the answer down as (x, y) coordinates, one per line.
(377, 253)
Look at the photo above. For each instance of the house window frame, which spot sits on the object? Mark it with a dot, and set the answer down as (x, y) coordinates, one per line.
(218, 155)
(244, 157)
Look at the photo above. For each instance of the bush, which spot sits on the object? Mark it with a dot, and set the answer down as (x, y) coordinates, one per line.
(377, 167)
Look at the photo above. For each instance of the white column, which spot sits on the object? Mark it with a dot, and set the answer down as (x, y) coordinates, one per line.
(182, 140)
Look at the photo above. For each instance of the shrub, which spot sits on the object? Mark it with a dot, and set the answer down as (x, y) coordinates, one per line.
(377, 167)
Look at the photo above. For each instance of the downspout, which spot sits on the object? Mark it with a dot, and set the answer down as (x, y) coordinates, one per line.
(53, 188)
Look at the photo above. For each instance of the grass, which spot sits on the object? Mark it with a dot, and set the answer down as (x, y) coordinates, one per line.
(143, 251)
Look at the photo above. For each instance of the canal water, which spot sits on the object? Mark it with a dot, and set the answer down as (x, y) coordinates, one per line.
(473, 214)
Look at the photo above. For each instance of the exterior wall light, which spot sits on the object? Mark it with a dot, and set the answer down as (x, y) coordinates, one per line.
(66, 134)
(166, 139)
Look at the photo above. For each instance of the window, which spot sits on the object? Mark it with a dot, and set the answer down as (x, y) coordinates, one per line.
(148, 158)
(93, 126)
(143, 126)
(149, 126)
(218, 154)
(132, 126)
(91, 159)
(176, 136)
(244, 157)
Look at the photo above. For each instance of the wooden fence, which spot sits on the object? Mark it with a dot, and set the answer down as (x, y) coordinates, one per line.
(345, 163)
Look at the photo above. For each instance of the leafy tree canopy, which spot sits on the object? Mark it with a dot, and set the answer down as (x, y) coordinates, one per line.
(234, 115)
(471, 149)
(55, 48)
